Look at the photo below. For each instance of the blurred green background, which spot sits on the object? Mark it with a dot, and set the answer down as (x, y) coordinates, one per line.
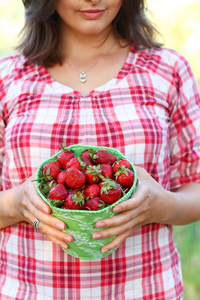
(179, 24)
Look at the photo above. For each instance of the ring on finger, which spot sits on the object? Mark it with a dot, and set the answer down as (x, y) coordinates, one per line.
(35, 224)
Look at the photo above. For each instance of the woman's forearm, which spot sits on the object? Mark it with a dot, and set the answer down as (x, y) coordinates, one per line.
(8, 205)
(183, 205)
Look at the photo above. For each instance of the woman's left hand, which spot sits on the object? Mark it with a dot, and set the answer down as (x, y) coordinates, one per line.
(147, 205)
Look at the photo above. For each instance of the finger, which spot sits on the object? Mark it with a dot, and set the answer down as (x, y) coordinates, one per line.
(54, 234)
(40, 209)
(30, 209)
(48, 230)
(133, 202)
(34, 198)
(133, 207)
(35, 208)
(121, 219)
(61, 242)
(116, 242)
(110, 232)
(120, 229)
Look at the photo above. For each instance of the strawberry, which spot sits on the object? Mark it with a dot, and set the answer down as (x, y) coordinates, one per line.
(95, 203)
(106, 170)
(75, 179)
(119, 163)
(75, 200)
(61, 178)
(124, 176)
(110, 191)
(92, 174)
(65, 156)
(51, 170)
(57, 194)
(86, 161)
(104, 157)
(92, 190)
(87, 153)
(86, 157)
(73, 163)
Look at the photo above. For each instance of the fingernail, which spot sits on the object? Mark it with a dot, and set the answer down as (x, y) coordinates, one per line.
(45, 210)
(67, 239)
(97, 236)
(60, 226)
(104, 250)
(117, 209)
(100, 224)
(65, 246)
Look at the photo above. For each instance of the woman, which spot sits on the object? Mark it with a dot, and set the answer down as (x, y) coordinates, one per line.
(91, 73)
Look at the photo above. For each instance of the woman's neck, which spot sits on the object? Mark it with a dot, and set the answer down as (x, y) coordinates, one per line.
(84, 47)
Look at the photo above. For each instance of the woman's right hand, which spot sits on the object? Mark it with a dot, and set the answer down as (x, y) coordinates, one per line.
(29, 206)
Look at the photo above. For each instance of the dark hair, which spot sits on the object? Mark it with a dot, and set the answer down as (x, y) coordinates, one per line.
(40, 35)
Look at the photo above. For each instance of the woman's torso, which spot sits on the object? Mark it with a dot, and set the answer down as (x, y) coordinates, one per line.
(131, 112)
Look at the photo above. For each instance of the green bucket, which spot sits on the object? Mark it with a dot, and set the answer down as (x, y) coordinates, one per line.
(80, 224)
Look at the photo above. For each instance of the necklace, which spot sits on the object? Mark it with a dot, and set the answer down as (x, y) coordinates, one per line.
(83, 75)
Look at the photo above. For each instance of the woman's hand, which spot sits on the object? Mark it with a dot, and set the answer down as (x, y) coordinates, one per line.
(29, 206)
(147, 205)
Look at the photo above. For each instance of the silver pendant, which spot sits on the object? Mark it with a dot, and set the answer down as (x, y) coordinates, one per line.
(83, 77)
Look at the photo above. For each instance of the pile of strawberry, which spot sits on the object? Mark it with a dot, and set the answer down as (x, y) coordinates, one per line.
(89, 181)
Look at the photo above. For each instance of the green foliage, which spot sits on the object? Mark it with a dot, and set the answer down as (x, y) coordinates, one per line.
(188, 243)
(179, 25)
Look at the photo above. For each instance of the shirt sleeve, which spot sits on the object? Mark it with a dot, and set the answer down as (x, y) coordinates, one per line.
(185, 127)
(2, 123)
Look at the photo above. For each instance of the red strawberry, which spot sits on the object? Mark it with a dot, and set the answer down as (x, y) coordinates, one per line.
(92, 190)
(124, 176)
(73, 163)
(92, 174)
(61, 178)
(106, 170)
(95, 203)
(110, 191)
(86, 157)
(51, 170)
(86, 153)
(64, 157)
(58, 193)
(75, 200)
(75, 179)
(104, 157)
(86, 161)
(119, 163)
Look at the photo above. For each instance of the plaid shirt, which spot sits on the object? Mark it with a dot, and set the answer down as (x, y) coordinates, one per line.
(150, 112)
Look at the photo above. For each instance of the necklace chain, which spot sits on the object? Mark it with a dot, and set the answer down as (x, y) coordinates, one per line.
(83, 75)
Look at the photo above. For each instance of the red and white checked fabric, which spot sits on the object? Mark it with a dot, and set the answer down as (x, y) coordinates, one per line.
(151, 112)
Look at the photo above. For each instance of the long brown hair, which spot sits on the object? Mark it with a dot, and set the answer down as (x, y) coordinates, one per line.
(40, 35)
